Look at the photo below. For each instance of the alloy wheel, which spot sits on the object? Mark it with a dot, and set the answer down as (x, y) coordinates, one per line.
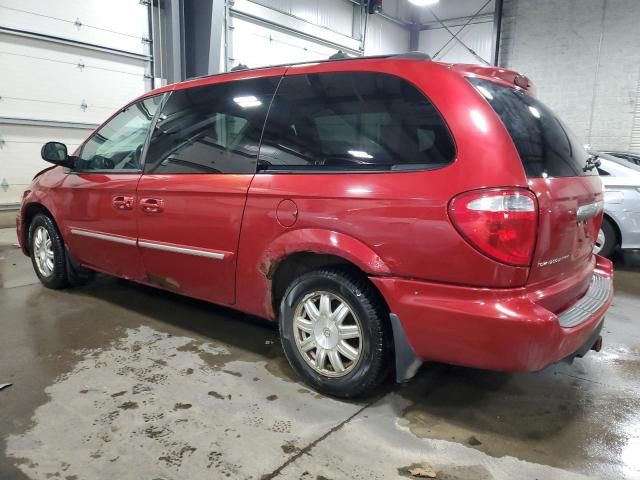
(43, 251)
(328, 334)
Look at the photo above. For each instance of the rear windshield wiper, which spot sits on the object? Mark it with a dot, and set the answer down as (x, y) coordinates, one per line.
(592, 162)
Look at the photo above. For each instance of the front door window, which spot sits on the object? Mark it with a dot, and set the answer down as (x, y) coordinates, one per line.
(118, 145)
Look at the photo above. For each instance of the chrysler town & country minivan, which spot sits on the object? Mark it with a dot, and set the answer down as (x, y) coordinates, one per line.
(385, 211)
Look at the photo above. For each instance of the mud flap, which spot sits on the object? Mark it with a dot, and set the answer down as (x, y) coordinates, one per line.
(76, 274)
(407, 362)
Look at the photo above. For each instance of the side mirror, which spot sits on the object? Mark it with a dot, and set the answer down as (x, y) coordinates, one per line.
(56, 153)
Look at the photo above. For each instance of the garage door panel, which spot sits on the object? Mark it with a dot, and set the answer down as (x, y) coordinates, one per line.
(47, 83)
(255, 45)
(49, 111)
(20, 154)
(121, 26)
(336, 15)
(27, 134)
(26, 46)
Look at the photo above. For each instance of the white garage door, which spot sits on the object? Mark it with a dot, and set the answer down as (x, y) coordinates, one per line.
(256, 46)
(274, 32)
(66, 66)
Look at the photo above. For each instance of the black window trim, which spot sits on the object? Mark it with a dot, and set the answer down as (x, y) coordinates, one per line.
(312, 170)
(76, 171)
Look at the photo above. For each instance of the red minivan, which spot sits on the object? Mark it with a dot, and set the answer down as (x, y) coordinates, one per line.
(385, 211)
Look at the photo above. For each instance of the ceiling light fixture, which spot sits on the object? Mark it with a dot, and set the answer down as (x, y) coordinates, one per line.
(424, 3)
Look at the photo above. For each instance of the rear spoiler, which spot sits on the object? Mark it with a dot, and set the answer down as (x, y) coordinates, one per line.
(509, 76)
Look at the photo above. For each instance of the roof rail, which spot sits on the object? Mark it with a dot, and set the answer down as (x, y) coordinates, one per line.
(415, 55)
(240, 66)
(337, 57)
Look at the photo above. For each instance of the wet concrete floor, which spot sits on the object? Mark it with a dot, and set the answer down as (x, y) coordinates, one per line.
(120, 381)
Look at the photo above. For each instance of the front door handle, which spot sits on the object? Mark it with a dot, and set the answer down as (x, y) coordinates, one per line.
(152, 205)
(122, 202)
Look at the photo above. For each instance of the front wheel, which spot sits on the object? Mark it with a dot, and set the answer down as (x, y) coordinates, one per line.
(47, 252)
(335, 333)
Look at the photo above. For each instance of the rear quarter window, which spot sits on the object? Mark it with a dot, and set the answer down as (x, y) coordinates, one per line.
(349, 121)
(546, 146)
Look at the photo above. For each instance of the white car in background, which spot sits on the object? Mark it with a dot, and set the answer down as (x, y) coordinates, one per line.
(621, 224)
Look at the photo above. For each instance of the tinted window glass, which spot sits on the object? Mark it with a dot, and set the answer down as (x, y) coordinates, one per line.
(211, 129)
(118, 144)
(353, 120)
(545, 145)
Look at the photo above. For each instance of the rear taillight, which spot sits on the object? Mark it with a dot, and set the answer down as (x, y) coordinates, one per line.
(501, 223)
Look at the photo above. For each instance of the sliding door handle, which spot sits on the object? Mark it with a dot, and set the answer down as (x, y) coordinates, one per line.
(152, 205)
(122, 202)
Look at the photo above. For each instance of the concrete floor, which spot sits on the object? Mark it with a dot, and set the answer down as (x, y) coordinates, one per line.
(120, 381)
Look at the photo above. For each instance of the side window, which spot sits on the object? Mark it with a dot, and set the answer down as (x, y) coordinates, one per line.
(118, 145)
(211, 129)
(353, 121)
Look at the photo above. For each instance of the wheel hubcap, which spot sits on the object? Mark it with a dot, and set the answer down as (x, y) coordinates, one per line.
(327, 333)
(599, 243)
(43, 251)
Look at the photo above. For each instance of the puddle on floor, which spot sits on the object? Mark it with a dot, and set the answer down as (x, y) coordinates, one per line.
(550, 417)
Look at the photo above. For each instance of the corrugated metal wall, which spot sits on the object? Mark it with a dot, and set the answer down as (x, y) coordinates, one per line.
(635, 129)
(385, 37)
(477, 36)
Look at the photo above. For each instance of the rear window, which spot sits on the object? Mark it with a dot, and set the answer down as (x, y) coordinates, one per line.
(546, 146)
(353, 121)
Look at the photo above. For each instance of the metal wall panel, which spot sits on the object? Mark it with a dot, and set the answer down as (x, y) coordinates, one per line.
(478, 36)
(454, 9)
(385, 37)
(634, 145)
(400, 9)
(336, 15)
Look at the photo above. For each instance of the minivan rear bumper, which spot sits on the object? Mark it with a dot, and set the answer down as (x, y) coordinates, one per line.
(495, 329)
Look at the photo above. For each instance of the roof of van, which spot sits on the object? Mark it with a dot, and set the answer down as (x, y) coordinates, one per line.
(506, 75)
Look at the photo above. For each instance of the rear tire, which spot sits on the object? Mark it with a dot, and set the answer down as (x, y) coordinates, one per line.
(607, 239)
(47, 252)
(335, 333)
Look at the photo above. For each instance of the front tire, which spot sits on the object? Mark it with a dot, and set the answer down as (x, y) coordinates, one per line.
(47, 252)
(334, 331)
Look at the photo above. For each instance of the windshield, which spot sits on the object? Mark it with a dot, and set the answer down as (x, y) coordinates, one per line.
(546, 146)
